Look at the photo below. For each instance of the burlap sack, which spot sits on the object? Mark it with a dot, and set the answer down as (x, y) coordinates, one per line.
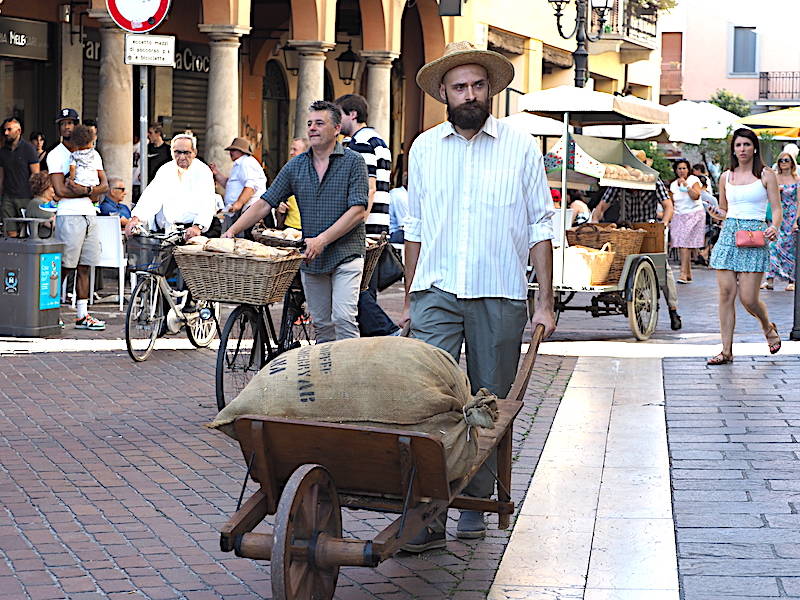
(392, 382)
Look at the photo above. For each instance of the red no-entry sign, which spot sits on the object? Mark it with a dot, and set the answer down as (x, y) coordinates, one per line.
(138, 16)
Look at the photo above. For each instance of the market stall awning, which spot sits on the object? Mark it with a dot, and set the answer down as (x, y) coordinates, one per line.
(534, 124)
(589, 107)
(780, 123)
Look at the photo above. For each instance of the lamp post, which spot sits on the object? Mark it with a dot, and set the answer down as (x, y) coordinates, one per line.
(347, 62)
(582, 31)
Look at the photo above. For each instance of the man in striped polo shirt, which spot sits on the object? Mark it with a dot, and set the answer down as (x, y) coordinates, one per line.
(372, 320)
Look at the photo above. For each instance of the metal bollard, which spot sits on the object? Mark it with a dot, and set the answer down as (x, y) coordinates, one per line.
(795, 334)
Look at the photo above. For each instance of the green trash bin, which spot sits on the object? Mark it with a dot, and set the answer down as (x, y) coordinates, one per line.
(30, 289)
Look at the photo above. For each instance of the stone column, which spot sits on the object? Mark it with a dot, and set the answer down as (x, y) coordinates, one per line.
(70, 70)
(310, 79)
(379, 90)
(222, 116)
(115, 102)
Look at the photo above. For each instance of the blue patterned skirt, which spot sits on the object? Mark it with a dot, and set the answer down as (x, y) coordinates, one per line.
(728, 256)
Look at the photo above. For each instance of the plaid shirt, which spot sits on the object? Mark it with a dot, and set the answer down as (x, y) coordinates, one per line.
(321, 203)
(640, 205)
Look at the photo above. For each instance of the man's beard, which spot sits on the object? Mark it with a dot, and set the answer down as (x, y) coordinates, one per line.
(470, 115)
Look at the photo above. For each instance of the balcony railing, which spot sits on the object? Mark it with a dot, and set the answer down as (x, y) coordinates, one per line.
(631, 22)
(779, 85)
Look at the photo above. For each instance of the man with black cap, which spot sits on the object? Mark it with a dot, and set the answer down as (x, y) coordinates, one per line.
(76, 226)
(244, 185)
(479, 209)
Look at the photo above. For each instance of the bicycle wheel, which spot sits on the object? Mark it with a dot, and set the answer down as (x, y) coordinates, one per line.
(144, 318)
(241, 352)
(296, 327)
(201, 327)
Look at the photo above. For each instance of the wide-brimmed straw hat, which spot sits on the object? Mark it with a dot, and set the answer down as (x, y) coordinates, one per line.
(240, 144)
(499, 68)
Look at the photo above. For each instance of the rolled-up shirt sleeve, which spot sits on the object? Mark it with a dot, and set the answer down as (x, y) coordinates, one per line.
(358, 194)
(281, 187)
(412, 224)
(150, 202)
(538, 200)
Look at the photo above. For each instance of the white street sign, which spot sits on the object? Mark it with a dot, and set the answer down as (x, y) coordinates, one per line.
(152, 50)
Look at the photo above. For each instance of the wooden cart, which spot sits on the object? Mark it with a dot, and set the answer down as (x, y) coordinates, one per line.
(307, 471)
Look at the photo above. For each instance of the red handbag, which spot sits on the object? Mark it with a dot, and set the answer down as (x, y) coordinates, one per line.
(750, 239)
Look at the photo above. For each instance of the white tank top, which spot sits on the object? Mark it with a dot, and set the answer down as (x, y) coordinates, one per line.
(747, 201)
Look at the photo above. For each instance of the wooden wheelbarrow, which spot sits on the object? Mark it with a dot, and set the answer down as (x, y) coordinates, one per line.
(307, 471)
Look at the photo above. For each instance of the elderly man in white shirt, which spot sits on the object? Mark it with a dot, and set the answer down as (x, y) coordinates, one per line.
(182, 193)
(245, 184)
(479, 209)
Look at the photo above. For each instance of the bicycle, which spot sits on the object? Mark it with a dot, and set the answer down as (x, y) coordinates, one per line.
(150, 254)
(248, 340)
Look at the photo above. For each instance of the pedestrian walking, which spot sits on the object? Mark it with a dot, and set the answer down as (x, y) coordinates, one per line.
(76, 225)
(18, 161)
(740, 255)
(330, 184)
(479, 210)
(243, 186)
(688, 227)
(158, 151)
(38, 142)
(372, 319)
(781, 251)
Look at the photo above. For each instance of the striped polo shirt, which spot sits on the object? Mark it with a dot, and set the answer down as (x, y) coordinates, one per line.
(378, 157)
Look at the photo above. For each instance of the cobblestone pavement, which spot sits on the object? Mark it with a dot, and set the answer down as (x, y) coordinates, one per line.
(110, 487)
(733, 435)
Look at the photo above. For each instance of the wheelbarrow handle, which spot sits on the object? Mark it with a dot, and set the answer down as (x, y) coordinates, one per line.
(517, 391)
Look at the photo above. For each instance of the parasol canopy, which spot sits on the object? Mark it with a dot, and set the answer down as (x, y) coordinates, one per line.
(534, 125)
(589, 107)
(780, 123)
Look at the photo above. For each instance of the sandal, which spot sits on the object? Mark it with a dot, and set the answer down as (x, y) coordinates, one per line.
(790, 287)
(766, 286)
(775, 347)
(719, 359)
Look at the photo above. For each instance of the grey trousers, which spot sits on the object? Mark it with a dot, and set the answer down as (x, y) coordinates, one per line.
(332, 300)
(492, 330)
(669, 289)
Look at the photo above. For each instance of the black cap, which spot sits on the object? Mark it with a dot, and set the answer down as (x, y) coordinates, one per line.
(68, 113)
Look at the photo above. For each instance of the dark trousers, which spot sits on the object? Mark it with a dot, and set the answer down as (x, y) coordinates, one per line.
(372, 319)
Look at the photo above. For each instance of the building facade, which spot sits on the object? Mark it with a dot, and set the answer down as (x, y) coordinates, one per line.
(732, 45)
(243, 67)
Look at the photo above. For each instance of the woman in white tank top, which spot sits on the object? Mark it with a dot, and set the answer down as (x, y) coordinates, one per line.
(744, 190)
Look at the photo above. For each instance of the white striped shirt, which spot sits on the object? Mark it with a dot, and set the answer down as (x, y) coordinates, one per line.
(477, 207)
(378, 157)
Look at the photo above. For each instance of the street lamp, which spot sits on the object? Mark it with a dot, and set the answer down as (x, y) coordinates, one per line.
(346, 62)
(290, 60)
(582, 31)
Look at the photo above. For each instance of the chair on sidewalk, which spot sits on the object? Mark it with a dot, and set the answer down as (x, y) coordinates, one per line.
(112, 254)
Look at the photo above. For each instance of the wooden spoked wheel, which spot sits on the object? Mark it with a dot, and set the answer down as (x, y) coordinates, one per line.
(309, 506)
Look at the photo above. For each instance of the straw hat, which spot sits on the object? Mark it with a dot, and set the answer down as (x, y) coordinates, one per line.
(240, 144)
(499, 68)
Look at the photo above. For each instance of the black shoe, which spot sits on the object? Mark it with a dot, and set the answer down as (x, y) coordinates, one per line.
(426, 540)
(674, 319)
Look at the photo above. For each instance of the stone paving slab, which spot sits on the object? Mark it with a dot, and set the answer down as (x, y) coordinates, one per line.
(735, 458)
(110, 487)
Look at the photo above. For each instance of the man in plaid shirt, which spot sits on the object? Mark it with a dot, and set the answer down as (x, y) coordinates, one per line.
(641, 206)
(331, 188)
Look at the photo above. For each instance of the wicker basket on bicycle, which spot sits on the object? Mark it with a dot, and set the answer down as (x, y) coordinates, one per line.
(625, 241)
(148, 254)
(237, 279)
(371, 258)
(271, 237)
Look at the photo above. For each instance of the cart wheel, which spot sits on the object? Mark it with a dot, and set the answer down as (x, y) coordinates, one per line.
(309, 506)
(202, 328)
(643, 305)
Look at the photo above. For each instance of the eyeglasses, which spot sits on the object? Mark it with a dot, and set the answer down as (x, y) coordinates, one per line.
(784, 160)
(181, 152)
(121, 189)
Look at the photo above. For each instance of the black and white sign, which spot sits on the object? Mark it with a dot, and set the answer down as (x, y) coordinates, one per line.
(152, 50)
(20, 38)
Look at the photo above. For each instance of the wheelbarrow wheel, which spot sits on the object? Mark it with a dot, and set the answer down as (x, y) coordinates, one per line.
(642, 308)
(309, 506)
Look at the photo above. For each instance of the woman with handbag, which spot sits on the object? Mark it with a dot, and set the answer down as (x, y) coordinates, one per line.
(741, 256)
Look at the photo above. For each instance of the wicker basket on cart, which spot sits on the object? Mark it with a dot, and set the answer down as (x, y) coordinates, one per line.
(624, 241)
(237, 279)
(371, 259)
